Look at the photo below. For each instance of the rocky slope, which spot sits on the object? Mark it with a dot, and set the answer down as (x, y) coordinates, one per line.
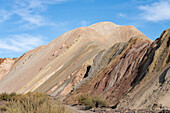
(151, 88)
(117, 62)
(131, 75)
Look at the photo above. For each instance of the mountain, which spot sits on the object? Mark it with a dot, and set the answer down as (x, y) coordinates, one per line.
(117, 62)
(66, 54)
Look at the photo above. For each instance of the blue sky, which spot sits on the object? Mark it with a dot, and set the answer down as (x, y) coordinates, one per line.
(27, 24)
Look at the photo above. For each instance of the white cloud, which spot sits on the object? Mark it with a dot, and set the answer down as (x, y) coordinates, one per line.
(32, 19)
(157, 11)
(21, 43)
(29, 12)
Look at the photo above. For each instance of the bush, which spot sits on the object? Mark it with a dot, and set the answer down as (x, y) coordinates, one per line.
(100, 102)
(90, 102)
(86, 100)
(31, 103)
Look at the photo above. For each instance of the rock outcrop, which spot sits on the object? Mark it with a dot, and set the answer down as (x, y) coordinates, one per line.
(6, 65)
(151, 88)
(113, 70)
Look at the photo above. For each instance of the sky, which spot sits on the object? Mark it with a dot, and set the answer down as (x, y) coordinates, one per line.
(27, 24)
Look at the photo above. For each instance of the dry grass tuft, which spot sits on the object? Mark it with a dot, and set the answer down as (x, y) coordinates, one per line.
(30, 103)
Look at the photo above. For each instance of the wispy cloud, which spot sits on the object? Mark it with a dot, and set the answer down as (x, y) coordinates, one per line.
(21, 43)
(29, 12)
(157, 11)
(4, 15)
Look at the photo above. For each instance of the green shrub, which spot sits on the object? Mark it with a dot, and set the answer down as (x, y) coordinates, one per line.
(90, 102)
(32, 103)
